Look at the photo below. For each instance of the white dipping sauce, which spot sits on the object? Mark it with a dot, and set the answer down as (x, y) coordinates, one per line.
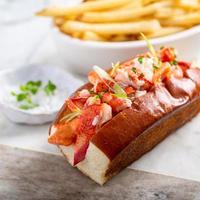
(46, 104)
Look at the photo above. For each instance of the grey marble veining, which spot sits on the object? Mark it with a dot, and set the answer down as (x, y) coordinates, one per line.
(29, 175)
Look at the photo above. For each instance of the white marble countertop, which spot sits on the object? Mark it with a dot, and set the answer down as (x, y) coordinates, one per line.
(30, 41)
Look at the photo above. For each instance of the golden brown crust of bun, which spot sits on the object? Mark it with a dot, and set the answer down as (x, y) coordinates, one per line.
(126, 126)
(153, 135)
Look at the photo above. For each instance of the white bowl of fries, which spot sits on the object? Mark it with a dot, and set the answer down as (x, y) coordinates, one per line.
(104, 31)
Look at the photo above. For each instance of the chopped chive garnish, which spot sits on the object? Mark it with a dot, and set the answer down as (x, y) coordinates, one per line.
(140, 60)
(98, 96)
(142, 74)
(162, 47)
(174, 62)
(134, 70)
(155, 67)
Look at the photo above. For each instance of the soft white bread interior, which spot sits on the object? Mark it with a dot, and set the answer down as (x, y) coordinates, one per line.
(94, 165)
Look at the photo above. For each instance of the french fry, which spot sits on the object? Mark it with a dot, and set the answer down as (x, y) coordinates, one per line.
(122, 15)
(77, 35)
(81, 8)
(120, 38)
(164, 31)
(165, 12)
(58, 21)
(186, 20)
(92, 36)
(112, 28)
(133, 4)
(146, 2)
(188, 4)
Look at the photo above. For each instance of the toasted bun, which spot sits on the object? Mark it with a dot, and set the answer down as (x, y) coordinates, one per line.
(134, 131)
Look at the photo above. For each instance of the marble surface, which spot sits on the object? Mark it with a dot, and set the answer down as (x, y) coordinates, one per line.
(178, 155)
(28, 175)
(30, 41)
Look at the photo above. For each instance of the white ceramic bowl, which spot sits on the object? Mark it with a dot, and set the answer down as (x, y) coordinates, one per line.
(11, 79)
(80, 56)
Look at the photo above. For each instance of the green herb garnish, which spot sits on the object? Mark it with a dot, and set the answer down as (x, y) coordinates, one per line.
(119, 92)
(174, 62)
(142, 75)
(95, 98)
(98, 96)
(50, 88)
(28, 90)
(140, 60)
(22, 97)
(155, 67)
(134, 70)
(25, 99)
(31, 86)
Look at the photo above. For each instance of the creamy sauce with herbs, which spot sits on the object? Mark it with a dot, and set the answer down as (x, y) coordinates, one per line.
(46, 104)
